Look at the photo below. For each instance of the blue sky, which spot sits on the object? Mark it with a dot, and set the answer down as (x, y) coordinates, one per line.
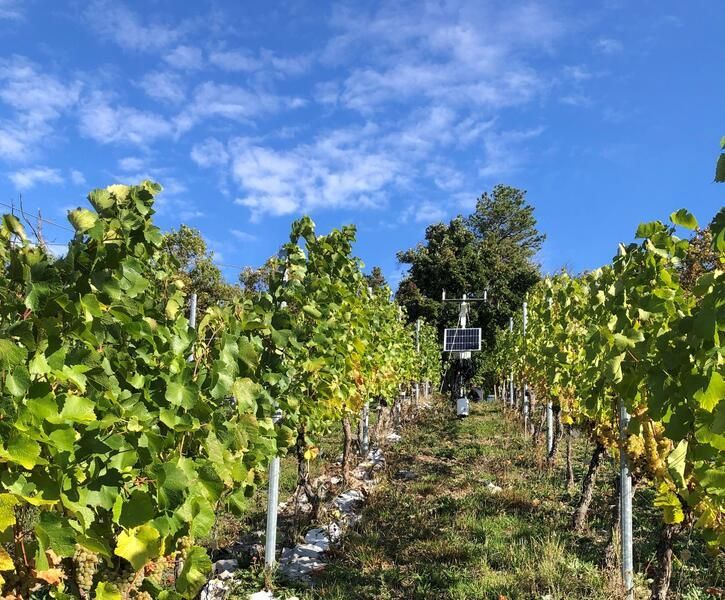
(388, 115)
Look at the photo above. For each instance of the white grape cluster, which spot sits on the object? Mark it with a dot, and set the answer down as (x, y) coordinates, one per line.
(124, 580)
(86, 564)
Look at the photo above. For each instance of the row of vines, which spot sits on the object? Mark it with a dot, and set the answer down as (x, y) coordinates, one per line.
(123, 430)
(638, 332)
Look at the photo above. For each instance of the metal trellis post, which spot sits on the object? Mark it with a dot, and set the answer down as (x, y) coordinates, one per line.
(625, 506)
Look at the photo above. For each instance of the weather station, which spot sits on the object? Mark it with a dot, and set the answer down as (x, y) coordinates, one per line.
(461, 341)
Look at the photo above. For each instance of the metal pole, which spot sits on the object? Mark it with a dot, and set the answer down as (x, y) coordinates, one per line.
(625, 506)
(365, 430)
(549, 426)
(549, 416)
(417, 350)
(525, 398)
(511, 380)
(270, 545)
(192, 311)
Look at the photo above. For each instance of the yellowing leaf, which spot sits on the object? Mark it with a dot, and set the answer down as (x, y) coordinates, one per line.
(82, 219)
(6, 561)
(7, 512)
(51, 576)
(107, 591)
(138, 545)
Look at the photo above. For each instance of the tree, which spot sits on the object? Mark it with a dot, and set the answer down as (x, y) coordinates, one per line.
(376, 279)
(256, 279)
(701, 258)
(196, 267)
(720, 167)
(492, 249)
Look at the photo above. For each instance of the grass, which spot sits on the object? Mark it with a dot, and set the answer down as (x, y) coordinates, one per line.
(444, 535)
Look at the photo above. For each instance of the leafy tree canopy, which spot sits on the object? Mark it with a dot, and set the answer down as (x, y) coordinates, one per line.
(492, 249)
(196, 267)
(376, 279)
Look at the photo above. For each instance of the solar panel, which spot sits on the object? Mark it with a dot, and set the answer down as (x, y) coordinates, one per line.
(462, 340)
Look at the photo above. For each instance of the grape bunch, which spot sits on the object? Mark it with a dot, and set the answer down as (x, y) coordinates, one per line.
(635, 446)
(143, 596)
(124, 580)
(184, 545)
(156, 569)
(86, 564)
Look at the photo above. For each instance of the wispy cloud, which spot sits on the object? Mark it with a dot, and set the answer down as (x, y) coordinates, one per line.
(245, 61)
(164, 86)
(115, 21)
(466, 53)
(25, 179)
(11, 9)
(505, 152)
(236, 103)
(608, 45)
(185, 57)
(106, 123)
(131, 163)
(243, 236)
(77, 177)
(332, 172)
(36, 101)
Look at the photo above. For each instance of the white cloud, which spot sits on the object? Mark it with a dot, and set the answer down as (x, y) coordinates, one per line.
(428, 212)
(505, 153)
(11, 9)
(36, 101)
(336, 170)
(243, 236)
(577, 73)
(608, 46)
(28, 178)
(131, 163)
(77, 177)
(210, 153)
(113, 20)
(235, 60)
(242, 60)
(107, 124)
(465, 54)
(164, 86)
(580, 100)
(214, 100)
(185, 57)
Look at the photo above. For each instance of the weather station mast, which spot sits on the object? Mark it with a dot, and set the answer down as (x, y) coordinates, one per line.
(461, 341)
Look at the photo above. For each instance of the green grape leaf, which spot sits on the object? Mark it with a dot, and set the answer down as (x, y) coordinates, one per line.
(54, 532)
(138, 545)
(13, 225)
(23, 451)
(684, 218)
(82, 219)
(195, 572)
(720, 169)
(711, 396)
(77, 409)
(134, 511)
(18, 381)
(676, 463)
(670, 505)
(107, 591)
(11, 354)
(179, 394)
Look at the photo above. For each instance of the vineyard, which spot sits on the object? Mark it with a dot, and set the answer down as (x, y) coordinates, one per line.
(631, 355)
(129, 424)
(124, 429)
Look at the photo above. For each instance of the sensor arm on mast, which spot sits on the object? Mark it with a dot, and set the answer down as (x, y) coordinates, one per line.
(465, 298)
